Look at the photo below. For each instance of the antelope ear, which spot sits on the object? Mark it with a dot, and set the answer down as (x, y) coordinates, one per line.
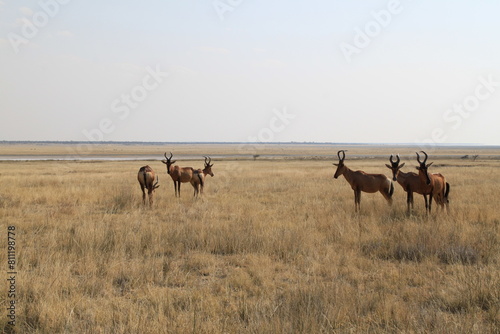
(418, 168)
(401, 166)
(164, 161)
(388, 166)
(336, 165)
(173, 162)
(429, 164)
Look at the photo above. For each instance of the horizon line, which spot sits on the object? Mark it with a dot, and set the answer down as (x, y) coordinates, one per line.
(132, 142)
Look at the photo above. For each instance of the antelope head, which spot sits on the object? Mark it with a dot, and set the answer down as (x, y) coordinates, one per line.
(168, 161)
(395, 166)
(208, 166)
(340, 166)
(422, 168)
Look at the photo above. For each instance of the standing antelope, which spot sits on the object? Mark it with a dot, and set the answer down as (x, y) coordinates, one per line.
(198, 180)
(146, 177)
(409, 181)
(178, 174)
(433, 183)
(361, 181)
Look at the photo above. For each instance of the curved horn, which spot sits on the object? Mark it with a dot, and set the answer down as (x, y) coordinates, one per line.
(418, 158)
(426, 156)
(397, 156)
(343, 155)
(390, 159)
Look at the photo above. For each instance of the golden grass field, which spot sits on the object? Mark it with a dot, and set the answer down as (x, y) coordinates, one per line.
(273, 246)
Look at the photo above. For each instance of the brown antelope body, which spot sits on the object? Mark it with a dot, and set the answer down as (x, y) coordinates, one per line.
(198, 180)
(178, 174)
(146, 178)
(363, 182)
(433, 183)
(409, 181)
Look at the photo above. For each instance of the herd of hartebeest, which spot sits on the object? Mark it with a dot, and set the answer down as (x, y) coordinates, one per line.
(433, 185)
(196, 177)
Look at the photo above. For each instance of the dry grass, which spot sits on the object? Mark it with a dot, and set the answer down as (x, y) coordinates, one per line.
(271, 247)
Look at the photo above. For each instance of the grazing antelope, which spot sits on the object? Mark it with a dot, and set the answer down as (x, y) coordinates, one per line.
(178, 174)
(434, 184)
(361, 181)
(409, 181)
(146, 177)
(198, 180)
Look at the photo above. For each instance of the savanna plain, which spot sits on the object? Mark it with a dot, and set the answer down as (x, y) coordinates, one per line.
(272, 246)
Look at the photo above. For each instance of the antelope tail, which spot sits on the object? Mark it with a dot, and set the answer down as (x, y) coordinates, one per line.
(201, 179)
(145, 181)
(391, 190)
(446, 191)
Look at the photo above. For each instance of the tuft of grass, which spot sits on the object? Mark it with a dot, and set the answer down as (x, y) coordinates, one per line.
(458, 254)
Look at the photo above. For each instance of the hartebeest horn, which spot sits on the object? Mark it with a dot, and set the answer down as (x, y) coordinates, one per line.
(343, 155)
(208, 163)
(426, 156)
(425, 159)
(397, 161)
(395, 166)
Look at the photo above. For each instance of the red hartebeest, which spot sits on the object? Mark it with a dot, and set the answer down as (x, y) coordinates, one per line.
(434, 183)
(198, 180)
(146, 178)
(409, 181)
(361, 181)
(178, 174)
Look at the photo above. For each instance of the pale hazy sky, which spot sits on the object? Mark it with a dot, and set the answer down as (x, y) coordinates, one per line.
(250, 70)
